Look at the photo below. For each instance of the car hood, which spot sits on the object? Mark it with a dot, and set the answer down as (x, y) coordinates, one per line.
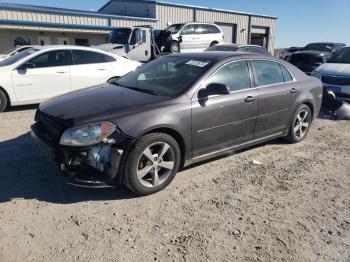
(99, 103)
(334, 69)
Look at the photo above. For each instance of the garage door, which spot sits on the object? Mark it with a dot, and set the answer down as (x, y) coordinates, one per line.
(229, 32)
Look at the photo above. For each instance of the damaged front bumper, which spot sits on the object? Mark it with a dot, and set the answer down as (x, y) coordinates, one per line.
(96, 165)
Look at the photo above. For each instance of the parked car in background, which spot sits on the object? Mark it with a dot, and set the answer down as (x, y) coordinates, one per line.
(335, 74)
(174, 111)
(288, 51)
(13, 51)
(313, 55)
(193, 36)
(42, 72)
(239, 48)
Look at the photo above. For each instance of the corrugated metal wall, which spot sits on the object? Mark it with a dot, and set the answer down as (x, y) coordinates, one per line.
(130, 23)
(219, 17)
(271, 24)
(172, 14)
(53, 18)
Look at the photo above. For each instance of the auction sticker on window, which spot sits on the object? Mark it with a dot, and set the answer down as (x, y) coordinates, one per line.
(197, 63)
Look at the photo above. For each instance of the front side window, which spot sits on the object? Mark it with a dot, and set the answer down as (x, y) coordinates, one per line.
(188, 30)
(234, 75)
(166, 76)
(174, 29)
(267, 73)
(51, 59)
(82, 57)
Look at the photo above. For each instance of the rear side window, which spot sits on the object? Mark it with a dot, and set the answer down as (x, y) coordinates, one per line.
(213, 29)
(234, 75)
(52, 59)
(267, 73)
(81, 57)
(287, 76)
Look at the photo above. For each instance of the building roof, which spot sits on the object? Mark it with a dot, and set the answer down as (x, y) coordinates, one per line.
(190, 6)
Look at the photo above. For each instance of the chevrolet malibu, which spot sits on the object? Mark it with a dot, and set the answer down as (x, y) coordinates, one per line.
(175, 111)
(42, 72)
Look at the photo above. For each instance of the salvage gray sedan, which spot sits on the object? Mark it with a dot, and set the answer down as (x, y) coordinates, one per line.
(172, 112)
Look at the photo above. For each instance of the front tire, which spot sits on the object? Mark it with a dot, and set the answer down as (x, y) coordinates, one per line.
(152, 164)
(175, 47)
(300, 125)
(3, 101)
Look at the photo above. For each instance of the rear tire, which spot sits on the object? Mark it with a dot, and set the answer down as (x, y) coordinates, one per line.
(300, 125)
(3, 101)
(213, 44)
(174, 47)
(152, 164)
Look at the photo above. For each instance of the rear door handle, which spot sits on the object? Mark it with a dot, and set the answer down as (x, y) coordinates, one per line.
(293, 91)
(250, 99)
(61, 72)
(102, 69)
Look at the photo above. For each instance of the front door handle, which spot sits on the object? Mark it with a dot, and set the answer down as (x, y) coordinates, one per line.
(293, 91)
(250, 99)
(102, 69)
(61, 72)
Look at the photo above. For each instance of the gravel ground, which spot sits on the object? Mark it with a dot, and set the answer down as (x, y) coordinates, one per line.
(295, 206)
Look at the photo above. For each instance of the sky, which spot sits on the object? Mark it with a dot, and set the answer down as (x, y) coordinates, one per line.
(299, 21)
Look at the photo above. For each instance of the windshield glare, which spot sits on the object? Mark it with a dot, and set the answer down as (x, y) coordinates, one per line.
(167, 76)
(119, 36)
(322, 47)
(174, 29)
(341, 57)
(17, 57)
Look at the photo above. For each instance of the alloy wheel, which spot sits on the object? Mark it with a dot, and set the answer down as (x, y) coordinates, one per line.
(155, 165)
(302, 123)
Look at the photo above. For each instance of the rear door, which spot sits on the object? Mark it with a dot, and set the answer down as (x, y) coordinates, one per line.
(222, 121)
(203, 36)
(278, 95)
(89, 68)
(43, 77)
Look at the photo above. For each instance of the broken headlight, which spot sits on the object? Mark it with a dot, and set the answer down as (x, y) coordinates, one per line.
(87, 135)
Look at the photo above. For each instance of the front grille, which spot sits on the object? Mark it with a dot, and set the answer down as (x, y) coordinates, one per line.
(336, 80)
(51, 127)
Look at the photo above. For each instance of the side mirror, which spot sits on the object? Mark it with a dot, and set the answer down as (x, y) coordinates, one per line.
(26, 66)
(213, 89)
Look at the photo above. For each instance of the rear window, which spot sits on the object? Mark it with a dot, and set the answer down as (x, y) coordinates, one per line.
(267, 73)
(81, 57)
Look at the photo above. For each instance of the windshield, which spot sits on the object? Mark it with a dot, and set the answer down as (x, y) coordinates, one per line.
(341, 57)
(18, 56)
(222, 48)
(166, 76)
(322, 47)
(174, 29)
(119, 36)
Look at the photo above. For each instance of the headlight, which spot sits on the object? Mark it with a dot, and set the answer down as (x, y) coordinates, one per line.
(87, 135)
(316, 74)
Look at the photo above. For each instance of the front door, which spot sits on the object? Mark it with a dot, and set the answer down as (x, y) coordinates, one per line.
(188, 38)
(222, 121)
(278, 94)
(140, 45)
(42, 77)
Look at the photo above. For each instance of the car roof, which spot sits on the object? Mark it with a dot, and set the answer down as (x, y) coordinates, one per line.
(220, 55)
(238, 45)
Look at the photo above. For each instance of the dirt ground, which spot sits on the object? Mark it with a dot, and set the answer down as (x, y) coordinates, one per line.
(295, 206)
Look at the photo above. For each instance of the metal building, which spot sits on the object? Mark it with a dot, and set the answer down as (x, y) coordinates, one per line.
(26, 24)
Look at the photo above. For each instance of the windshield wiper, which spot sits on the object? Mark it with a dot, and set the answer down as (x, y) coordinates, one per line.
(137, 89)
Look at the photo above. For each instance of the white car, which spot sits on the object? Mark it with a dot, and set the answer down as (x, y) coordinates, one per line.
(43, 72)
(335, 74)
(13, 51)
(194, 36)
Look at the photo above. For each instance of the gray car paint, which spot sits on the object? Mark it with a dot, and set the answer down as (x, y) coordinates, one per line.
(222, 124)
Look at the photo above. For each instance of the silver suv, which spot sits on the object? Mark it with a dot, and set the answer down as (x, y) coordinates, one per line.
(194, 36)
